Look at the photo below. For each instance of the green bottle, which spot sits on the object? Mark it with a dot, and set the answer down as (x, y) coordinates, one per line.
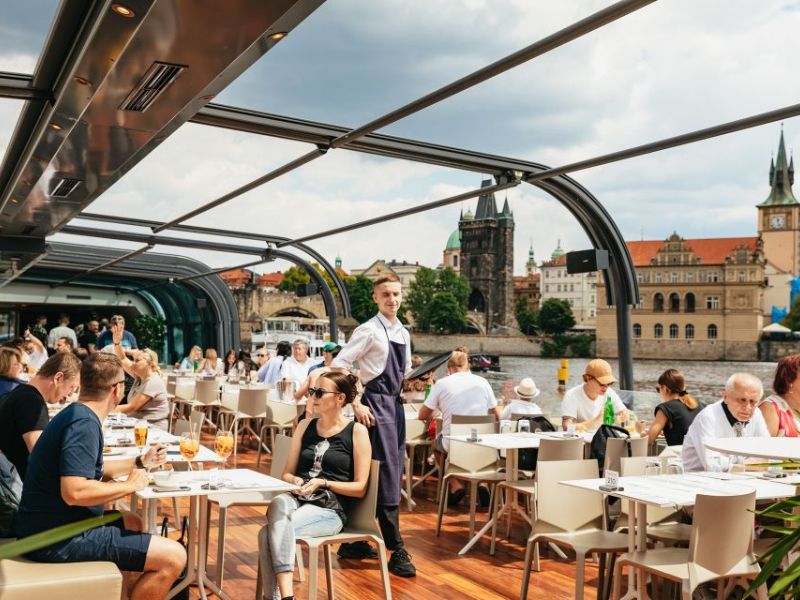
(608, 412)
(427, 390)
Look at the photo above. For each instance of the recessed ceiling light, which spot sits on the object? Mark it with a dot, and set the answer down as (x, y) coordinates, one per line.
(279, 35)
(56, 126)
(81, 80)
(122, 10)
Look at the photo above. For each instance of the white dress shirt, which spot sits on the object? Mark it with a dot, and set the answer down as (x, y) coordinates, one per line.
(461, 393)
(59, 332)
(295, 371)
(711, 423)
(370, 348)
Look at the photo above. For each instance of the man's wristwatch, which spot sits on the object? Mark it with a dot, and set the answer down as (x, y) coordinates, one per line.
(139, 463)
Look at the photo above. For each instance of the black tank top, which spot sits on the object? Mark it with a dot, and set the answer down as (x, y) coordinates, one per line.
(679, 417)
(333, 456)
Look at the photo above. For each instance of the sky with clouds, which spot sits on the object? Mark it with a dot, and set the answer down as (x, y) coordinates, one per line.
(672, 67)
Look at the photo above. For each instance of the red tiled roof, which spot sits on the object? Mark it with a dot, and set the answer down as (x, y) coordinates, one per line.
(559, 261)
(711, 251)
(270, 279)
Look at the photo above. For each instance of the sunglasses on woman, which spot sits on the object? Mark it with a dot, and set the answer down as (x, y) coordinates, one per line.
(319, 392)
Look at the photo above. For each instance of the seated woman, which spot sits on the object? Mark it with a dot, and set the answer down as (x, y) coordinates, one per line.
(147, 398)
(230, 364)
(780, 410)
(192, 362)
(676, 412)
(212, 364)
(329, 460)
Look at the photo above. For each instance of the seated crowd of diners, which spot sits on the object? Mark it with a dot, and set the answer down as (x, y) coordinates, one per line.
(66, 478)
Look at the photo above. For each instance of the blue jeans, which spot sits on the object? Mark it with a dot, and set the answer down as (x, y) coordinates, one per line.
(287, 520)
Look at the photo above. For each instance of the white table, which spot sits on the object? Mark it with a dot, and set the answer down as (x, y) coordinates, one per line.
(783, 448)
(237, 480)
(676, 491)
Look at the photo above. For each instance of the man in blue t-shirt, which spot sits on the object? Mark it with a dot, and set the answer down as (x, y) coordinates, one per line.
(106, 339)
(67, 481)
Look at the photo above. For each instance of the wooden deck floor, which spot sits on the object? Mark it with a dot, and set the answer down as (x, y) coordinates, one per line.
(441, 573)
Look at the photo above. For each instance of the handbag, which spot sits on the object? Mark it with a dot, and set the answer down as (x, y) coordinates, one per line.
(325, 498)
(184, 593)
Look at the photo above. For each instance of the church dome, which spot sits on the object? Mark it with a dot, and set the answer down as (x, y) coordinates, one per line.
(454, 241)
(558, 252)
(468, 216)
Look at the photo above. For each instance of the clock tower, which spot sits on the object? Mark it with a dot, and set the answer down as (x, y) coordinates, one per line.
(779, 216)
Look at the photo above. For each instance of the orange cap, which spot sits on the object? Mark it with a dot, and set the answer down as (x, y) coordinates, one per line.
(601, 371)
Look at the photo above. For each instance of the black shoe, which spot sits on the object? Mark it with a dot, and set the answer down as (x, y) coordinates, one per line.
(400, 564)
(484, 496)
(454, 498)
(356, 550)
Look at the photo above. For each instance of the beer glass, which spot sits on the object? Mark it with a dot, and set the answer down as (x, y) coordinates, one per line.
(140, 434)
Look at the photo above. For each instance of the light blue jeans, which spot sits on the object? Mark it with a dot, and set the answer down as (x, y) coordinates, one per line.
(287, 520)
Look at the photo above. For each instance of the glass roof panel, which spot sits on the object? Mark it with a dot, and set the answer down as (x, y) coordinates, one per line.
(9, 113)
(23, 30)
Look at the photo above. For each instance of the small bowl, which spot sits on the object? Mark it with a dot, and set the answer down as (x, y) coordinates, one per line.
(163, 478)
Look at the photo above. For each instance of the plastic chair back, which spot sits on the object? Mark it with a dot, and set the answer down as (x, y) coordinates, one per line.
(230, 401)
(281, 413)
(633, 467)
(722, 531)
(252, 403)
(195, 421)
(416, 430)
(561, 508)
(361, 515)
(472, 420)
(172, 383)
(280, 455)
(207, 391)
(184, 389)
(616, 448)
(469, 457)
(566, 449)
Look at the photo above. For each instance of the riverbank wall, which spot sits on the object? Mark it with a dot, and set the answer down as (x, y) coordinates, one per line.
(774, 350)
(503, 345)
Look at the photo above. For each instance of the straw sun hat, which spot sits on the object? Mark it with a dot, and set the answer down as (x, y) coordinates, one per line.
(527, 388)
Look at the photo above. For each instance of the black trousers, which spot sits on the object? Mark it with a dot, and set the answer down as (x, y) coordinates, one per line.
(389, 522)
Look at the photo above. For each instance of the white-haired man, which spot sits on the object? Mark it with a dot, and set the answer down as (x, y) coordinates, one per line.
(295, 367)
(733, 416)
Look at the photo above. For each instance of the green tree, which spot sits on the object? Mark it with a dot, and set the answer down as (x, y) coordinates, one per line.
(293, 277)
(362, 306)
(792, 320)
(419, 297)
(456, 284)
(527, 318)
(555, 316)
(446, 313)
(150, 331)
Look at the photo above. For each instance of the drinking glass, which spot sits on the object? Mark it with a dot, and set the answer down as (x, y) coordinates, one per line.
(140, 434)
(652, 467)
(675, 466)
(223, 446)
(524, 426)
(506, 426)
(189, 446)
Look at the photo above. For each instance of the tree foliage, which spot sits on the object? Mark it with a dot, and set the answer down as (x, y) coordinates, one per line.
(438, 301)
(527, 318)
(555, 316)
(792, 320)
(150, 331)
(362, 306)
(293, 277)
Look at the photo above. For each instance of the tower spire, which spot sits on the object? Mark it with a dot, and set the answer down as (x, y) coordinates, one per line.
(781, 178)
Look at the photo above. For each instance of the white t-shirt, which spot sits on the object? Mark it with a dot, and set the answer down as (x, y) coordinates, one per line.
(37, 359)
(710, 423)
(295, 371)
(579, 406)
(461, 393)
(520, 407)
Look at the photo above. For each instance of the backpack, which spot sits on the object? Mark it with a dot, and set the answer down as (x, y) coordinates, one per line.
(10, 492)
(527, 456)
(599, 441)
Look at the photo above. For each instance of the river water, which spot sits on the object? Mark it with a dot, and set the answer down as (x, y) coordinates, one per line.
(704, 379)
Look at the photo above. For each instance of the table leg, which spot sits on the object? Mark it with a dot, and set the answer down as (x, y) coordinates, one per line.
(633, 509)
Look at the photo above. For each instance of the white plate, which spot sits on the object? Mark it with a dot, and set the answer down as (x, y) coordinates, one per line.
(114, 452)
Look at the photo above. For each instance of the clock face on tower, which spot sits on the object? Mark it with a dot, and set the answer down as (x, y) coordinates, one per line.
(777, 221)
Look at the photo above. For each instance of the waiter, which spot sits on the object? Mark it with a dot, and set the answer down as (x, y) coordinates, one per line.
(382, 348)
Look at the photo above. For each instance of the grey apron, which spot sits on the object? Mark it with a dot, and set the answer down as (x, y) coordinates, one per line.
(388, 435)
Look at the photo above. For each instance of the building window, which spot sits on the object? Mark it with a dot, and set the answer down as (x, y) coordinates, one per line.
(673, 277)
(689, 277)
(658, 331)
(571, 287)
(657, 278)
(637, 330)
(712, 302)
(455, 261)
(658, 302)
(712, 332)
(713, 276)
(689, 330)
(742, 276)
(689, 302)
(673, 331)
(674, 302)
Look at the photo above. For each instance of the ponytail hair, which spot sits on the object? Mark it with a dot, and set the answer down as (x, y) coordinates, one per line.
(673, 380)
(346, 383)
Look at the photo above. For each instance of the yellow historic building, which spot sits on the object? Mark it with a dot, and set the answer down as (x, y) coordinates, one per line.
(708, 298)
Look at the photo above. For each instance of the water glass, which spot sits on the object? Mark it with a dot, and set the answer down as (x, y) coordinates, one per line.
(506, 426)
(675, 466)
(652, 467)
(571, 429)
(524, 426)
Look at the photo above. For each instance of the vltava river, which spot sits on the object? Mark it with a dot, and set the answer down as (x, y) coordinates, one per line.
(704, 380)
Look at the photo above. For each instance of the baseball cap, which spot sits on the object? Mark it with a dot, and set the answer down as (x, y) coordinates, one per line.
(600, 370)
(331, 347)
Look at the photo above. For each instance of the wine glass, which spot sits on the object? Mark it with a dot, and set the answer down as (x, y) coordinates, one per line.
(223, 446)
(189, 446)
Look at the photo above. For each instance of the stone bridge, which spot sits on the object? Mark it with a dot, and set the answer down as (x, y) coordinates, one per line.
(254, 304)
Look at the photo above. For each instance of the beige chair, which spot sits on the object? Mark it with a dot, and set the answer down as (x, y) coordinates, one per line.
(549, 449)
(473, 420)
(251, 411)
(569, 518)
(416, 437)
(720, 549)
(472, 464)
(184, 393)
(195, 423)
(280, 454)
(361, 525)
(206, 398)
(228, 409)
(280, 417)
(662, 523)
(616, 448)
